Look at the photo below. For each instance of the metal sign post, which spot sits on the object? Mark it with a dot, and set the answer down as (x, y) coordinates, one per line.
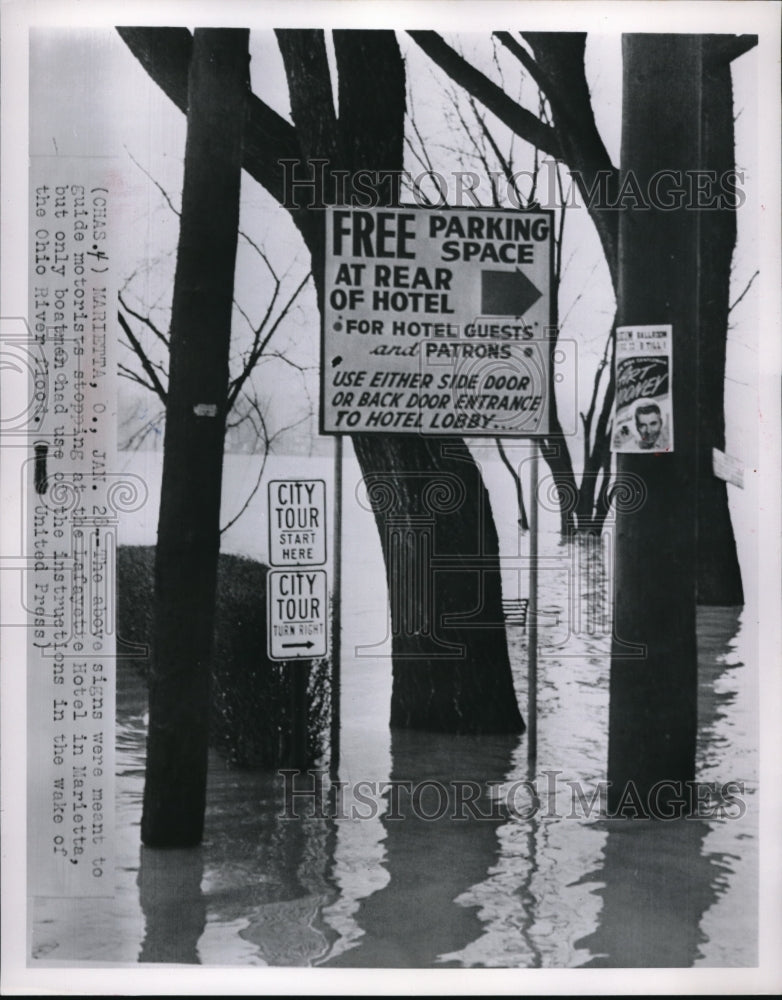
(336, 633)
(532, 614)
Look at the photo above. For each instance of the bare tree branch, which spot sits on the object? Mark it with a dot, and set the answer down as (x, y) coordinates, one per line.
(523, 522)
(578, 297)
(480, 150)
(143, 319)
(421, 154)
(267, 444)
(260, 253)
(139, 437)
(259, 345)
(277, 356)
(156, 385)
(746, 289)
(504, 163)
(157, 184)
(521, 121)
(128, 373)
(526, 60)
(726, 48)
(587, 418)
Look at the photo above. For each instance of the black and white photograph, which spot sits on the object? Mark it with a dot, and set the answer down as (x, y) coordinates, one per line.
(390, 448)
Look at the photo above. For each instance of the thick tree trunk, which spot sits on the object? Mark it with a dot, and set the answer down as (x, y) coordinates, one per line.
(719, 577)
(560, 56)
(188, 528)
(653, 699)
(451, 670)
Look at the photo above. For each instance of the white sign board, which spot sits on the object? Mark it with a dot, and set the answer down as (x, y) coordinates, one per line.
(727, 468)
(298, 612)
(643, 408)
(297, 522)
(437, 321)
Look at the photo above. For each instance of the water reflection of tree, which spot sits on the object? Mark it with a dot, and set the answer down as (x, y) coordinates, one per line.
(269, 874)
(279, 879)
(658, 878)
(658, 883)
(173, 904)
(414, 919)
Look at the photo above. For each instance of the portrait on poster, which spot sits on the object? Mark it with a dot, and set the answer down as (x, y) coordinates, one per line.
(643, 410)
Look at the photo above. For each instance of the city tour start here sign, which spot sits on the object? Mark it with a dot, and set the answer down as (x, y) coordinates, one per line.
(297, 522)
(437, 321)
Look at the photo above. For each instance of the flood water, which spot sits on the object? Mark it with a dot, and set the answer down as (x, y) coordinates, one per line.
(527, 882)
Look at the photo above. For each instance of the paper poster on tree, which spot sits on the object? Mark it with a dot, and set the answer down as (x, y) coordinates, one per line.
(643, 411)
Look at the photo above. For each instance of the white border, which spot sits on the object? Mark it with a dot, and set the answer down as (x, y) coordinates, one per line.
(762, 18)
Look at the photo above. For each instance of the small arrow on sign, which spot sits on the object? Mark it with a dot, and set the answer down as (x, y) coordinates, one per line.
(298, 645)
(507, 293)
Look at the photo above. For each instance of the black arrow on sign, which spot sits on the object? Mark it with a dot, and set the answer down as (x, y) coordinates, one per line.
(298, 645)
(507, 293)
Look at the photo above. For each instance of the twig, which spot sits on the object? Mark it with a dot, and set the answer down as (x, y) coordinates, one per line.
(746, 289)
(156, 386)
(143, 319)
(517, 483)
(157, 183)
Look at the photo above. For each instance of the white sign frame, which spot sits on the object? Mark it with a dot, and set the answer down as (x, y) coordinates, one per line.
(302, 645)
(459, 301)
(277, 531)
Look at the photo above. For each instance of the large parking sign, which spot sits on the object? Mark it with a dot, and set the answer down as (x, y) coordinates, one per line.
(437, 321)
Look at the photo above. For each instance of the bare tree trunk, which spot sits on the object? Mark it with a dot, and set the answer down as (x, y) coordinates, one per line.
(188, 528)
(719, 577)
(451, 669)
(514, 473)
(653, 700)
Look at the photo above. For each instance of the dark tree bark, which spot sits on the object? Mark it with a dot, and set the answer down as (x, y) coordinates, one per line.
(560, 60)
(719, 577)
(451, 670)
(188, 528)
(653, 699)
